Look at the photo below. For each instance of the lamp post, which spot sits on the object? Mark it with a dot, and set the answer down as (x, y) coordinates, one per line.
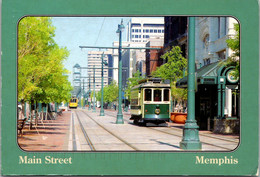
(89, 95)
(126, 108)
(102, 113)
(94, 101)
(119, 119)
(190, 139)
(83, 94)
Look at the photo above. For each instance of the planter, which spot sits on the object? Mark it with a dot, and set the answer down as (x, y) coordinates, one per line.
(178, 117)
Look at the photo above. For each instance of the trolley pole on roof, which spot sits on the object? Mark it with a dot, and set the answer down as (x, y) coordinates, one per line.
(190, 139)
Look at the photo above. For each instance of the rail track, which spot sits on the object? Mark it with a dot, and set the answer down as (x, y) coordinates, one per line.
(87, 137)
(179, 134)
(92, 148)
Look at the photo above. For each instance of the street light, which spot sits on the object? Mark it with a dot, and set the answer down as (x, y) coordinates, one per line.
(119, 119)
(94, 101)
(126, 108)
(102, 113)
(83, 96)
(190, 139)
(89, 95)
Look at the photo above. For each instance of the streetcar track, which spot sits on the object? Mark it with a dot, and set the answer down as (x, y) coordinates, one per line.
(74, 145)
(92, 148)
(173, 134)
(125, 142)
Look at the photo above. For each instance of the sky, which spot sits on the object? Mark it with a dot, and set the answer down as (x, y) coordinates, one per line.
(72, 32)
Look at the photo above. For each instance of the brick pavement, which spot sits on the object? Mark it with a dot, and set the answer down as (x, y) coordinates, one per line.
(51, 135)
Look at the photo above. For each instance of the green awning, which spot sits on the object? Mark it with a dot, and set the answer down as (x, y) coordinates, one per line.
(205, 75)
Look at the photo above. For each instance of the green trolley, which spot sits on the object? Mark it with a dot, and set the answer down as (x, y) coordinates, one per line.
(150, 101)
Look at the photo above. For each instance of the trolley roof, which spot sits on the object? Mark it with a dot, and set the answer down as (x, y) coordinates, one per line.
(153, 83)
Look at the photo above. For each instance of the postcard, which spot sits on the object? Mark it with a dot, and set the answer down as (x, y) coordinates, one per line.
(130, 88)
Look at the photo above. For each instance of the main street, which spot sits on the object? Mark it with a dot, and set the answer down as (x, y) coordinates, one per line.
(84, 130)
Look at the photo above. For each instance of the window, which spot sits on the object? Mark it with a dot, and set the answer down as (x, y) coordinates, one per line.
(148, 95)
(218, 27)
(133, 30)
(136, 30)
(225, 26)
(206, 61)
(151, 31)
(139, 30)
(157, 95)
(206, 41)
(166, 95)
(159, 31)
(222, 55)
(136, 36)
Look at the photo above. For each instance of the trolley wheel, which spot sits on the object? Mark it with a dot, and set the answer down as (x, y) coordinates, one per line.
(136, 121)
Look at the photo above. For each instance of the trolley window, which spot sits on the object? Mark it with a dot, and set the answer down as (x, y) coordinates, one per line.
(73, 100)
(166, 95)
(157, 95)
(148, 95)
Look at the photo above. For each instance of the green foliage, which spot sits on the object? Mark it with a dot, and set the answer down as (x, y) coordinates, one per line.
(234, 44)
(133, 82)
(111, 92)
(98, 95)
(179, 94)
(41, 74)
(173, 70)
(174, 67)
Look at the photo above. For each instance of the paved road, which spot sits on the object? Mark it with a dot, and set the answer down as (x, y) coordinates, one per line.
(91, 132)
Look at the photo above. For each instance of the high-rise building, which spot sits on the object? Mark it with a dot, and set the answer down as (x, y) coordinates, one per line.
(142, 29)
(95, 61)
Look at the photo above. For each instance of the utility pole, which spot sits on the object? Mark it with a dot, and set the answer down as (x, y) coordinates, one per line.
(89, 95)
(94, 102)
(102, 113)
(190, 139)
(119, 119)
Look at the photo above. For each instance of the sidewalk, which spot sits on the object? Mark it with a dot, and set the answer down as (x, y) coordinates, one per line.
(51, 135)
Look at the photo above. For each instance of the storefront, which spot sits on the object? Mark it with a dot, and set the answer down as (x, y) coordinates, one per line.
(217, 98)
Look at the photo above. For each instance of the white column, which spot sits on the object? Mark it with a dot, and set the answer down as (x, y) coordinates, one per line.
(228, 106)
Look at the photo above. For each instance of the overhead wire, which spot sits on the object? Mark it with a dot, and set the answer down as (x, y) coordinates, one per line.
(100, 31)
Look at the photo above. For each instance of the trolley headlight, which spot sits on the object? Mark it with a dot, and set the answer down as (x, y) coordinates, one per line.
(157, 111)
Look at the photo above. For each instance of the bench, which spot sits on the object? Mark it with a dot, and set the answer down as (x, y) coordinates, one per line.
(20, 125)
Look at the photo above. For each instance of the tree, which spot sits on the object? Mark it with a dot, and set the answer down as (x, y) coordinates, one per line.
(41, 74)
(174, 67)
(111, 92)
(172, 70)
(133, 82)
(234, 44)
